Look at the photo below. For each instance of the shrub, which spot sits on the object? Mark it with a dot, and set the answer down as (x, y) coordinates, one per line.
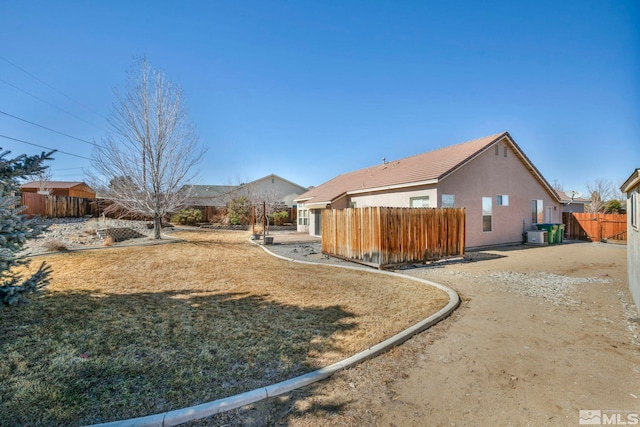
(187, 217)
(278, 218)
(54, 245)
(239, 211)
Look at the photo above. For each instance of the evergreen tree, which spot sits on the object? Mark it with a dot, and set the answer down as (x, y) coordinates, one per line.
(16, 228)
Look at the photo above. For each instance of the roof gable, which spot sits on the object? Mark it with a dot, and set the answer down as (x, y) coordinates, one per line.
(421, 169)
(279, 178)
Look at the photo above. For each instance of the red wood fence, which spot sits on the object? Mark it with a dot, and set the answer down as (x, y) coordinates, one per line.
(382, 237)
(595, 227)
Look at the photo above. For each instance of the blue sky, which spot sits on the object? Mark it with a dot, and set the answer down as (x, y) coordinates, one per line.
(308, 90)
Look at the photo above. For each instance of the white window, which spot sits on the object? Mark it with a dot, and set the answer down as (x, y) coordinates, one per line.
(303, 217)
(487, 213)
(502, 200)
(633, 209)
(537, 212)
(448, 201)
(420, 202)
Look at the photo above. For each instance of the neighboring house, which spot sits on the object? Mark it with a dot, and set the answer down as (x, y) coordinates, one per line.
(502, 191)
(271, 188)
(59, 188)
(631, 188)
(572, 204)
(210, 195)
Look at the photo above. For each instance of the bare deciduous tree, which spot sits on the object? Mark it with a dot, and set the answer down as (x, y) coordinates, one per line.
(44, 179)
(147, 158)
(266, 202)
(557, 185)
(599, 192)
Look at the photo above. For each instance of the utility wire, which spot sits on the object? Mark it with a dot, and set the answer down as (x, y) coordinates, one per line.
(48, 103)
(42, 146)
(65, 169)
(49, 86)
(49, 129)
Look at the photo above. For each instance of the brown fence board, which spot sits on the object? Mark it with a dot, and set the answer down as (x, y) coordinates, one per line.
(55, 206)
(595, 227)
(389, 236)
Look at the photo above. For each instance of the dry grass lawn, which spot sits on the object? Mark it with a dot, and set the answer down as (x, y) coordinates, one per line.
(127, 332)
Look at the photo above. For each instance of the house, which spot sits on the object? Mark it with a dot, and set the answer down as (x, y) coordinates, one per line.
(503, 193)
(59, 188)
(271, 188)
(571, 203)
(631, 188)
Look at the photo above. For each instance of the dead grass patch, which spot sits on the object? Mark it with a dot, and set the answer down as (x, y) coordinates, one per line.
(127, 332)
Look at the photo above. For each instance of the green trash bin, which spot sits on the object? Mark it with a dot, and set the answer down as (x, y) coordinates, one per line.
(560, 233)
(551, 231)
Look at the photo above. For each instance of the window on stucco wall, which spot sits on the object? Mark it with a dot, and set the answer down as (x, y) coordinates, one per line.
(487, 213)
(448, 201)
(303, 217)
(633, 211)
(537, 212)
(419, 202)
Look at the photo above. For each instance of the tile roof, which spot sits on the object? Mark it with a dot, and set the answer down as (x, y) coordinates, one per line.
(420, 168)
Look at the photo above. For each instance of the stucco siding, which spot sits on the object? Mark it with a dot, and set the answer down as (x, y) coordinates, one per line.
(489, 175)
(395, 198)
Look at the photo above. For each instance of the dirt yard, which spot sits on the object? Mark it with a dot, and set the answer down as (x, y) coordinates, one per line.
(542, 333)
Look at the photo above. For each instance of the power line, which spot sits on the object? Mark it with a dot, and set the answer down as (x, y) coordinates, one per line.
(48, 103)
(75, 174)
(42, 146)
(49, 129)
(49, 86)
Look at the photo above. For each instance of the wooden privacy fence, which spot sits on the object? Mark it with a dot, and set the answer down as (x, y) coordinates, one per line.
(382, 237)
(595, 227)
(56, 206)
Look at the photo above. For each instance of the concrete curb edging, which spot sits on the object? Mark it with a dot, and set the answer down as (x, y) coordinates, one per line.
(179, 416)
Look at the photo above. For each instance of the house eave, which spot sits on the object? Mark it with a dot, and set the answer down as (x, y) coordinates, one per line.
(632, 182)
(317, 205)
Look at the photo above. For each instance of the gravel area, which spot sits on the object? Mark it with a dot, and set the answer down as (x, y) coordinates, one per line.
(80, 233)
(308, 251)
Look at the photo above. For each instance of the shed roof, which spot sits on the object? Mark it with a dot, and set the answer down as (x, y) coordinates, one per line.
(52, 184)
(421, 169)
